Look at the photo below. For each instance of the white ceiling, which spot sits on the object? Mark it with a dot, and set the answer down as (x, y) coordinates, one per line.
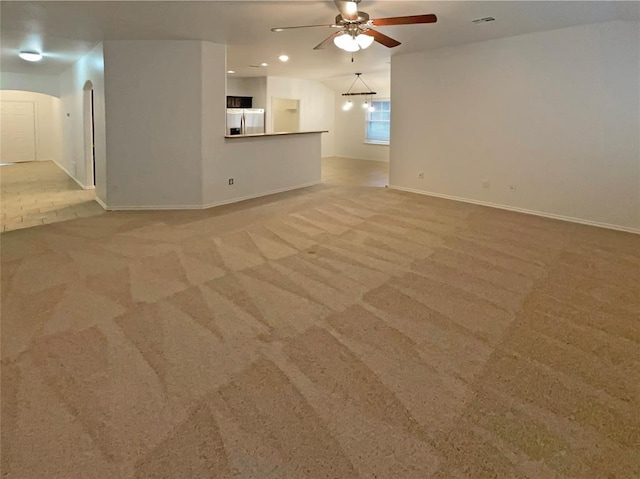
(65, 31)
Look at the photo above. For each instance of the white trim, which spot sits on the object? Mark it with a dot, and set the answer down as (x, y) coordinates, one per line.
(87, 130)
(259, 195)
(153, 208)
(210, 205)
(357, 158)
(554, 216)
(375, 142)
(73, 177)
(101, 203)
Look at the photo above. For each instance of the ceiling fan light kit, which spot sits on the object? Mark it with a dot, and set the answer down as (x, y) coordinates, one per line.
(352, 43)
(346, 42)
(364, 41)
(357, 32)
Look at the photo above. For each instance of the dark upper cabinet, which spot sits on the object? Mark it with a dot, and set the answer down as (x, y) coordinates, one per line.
(239, 101)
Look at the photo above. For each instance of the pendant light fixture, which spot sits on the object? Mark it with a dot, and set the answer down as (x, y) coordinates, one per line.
(368, 95)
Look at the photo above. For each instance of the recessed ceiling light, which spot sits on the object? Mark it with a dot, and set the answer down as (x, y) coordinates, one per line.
(231, 71)
(264, 64)
(30, 56)
(283, 58)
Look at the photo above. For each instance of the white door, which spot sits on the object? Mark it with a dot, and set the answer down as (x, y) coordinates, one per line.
(17, 131)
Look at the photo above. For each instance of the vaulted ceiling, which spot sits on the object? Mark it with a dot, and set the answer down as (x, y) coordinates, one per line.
(64, 31)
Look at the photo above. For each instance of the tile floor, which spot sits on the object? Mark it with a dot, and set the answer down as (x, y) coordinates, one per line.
(39, 192)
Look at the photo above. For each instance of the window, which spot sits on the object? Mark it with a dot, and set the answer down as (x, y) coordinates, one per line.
(378, 122)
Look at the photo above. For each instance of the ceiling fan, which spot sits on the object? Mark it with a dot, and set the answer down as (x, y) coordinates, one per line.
(355, 27)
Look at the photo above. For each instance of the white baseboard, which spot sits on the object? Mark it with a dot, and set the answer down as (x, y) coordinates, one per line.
(209, 205)
(84, 187)
(357, 158)
(554, 216)
(259, 195)
(101, 203)
(152, 207)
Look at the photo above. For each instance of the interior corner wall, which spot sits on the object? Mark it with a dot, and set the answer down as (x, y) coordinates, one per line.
(215, 167)
(555, 114)
(153, 95)
(47, 122)
(350, 126)
(45, 84)
(72, 110)
(317, 107)
(351, 131)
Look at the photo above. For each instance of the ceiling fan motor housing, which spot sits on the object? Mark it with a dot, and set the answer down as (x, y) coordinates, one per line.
(357, 28)
(363, 17)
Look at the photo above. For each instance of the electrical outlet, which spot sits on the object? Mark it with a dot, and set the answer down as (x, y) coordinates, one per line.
(485, 184)
(512, 187)
(230, 181)
(421, 175)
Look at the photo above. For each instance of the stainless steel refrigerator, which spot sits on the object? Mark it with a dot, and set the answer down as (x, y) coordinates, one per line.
(245, 121)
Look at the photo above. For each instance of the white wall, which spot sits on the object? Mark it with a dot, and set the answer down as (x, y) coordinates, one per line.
(255, 87)
(153, 94)
(350, 132)
(556, 114)
(165, 132)
(46, 84)
(266, 165)
(73, 120)
(285, 115)
(350, 125)
(47, 122)
(317, 107)
(216, 169)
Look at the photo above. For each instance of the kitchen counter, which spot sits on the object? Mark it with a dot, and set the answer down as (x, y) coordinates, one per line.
(282, 133)
(248, 166)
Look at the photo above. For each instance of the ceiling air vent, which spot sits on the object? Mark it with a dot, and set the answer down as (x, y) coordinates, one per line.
(483, 20)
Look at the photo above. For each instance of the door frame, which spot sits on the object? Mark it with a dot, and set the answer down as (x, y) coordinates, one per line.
(89, 134)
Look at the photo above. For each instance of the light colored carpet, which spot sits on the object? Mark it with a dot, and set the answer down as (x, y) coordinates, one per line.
(333, 332)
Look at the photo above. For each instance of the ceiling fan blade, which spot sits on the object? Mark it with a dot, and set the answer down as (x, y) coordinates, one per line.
(326, 41)
(382, 38)
(409, 20)
(279, 29)
(348, 9)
